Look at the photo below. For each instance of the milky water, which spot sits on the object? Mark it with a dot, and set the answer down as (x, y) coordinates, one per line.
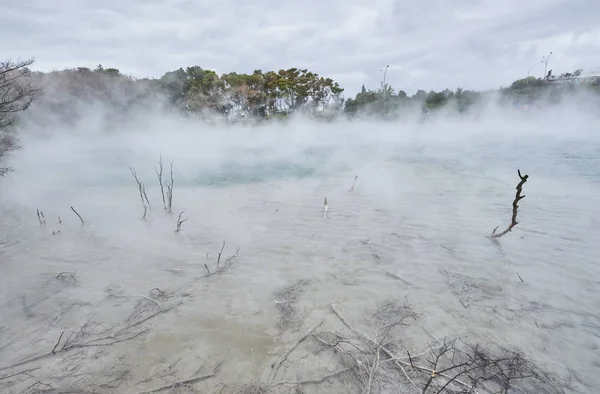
(416, 223)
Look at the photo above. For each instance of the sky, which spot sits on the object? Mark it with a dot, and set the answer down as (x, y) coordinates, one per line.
(428, 44)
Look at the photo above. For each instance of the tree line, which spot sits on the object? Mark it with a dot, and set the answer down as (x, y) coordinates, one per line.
(198, 92)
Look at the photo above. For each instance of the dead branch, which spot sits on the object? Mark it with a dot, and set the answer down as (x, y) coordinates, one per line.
(285, 302)
(220, 268)
(111, 384)
(312, 381)
(518, 197)
(159, 174)
(277, 365)
(373, 251)
(353, 183)
(180, 222)
(41, 218)
(216, 369)
(220, 253)
(369, 340)
(78, 215)
(68, 275)
(170, 185)
(25, 372)
(57, 342)
(141, 188)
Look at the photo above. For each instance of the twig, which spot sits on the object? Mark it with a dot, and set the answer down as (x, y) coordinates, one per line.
(518, 197)
(180, 221)
(40, 216)
(373, 251)
(352, 188)
(25, 372)
(118, 379)
(192, 380)
(312, 381)
(522, 281)
(220, 253)
(287, 354)
(170, 189)
(364, 337)
(149, 299)
(57, 342)
(159, 174)
(141, 188)
(71, 275)
(78, 215)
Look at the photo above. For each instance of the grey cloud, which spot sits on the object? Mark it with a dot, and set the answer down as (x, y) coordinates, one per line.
(431, 44)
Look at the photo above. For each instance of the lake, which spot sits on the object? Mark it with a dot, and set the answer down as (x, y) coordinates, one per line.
(414, 230)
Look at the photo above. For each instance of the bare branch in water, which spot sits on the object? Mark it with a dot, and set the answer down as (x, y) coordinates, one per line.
(68, 275)
(286, 299)
(77, 213)
(220, 253)
(353, 183)
(373, 251)
(57, 342)
(216, 369)
(170, 185)
(159, 174)
(41, 217)
(518, 197)
(277, 365)
(180, 221)
(141, 188)
(220, 267)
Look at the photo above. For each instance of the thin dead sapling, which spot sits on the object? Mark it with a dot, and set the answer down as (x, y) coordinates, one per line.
(518, 197)
(159, 174)
(180, 222)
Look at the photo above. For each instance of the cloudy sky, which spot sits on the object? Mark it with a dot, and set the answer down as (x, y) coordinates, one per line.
(428, 44)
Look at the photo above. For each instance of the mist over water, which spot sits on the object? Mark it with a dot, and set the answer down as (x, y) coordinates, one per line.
(427, 196)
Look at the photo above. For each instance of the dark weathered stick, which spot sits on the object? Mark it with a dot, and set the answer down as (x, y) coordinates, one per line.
(170, 189)
(192, 380)
(220, 253)
(180, 221)
(353, 183)
(78, 215)
(287, 354)
(159, 174)
(59, 338)
(141, 188)
(518, 197)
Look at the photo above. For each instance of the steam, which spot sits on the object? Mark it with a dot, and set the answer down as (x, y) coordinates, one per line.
(415, 224)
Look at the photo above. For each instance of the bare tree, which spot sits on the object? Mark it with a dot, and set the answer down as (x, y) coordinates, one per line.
(16, 95)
